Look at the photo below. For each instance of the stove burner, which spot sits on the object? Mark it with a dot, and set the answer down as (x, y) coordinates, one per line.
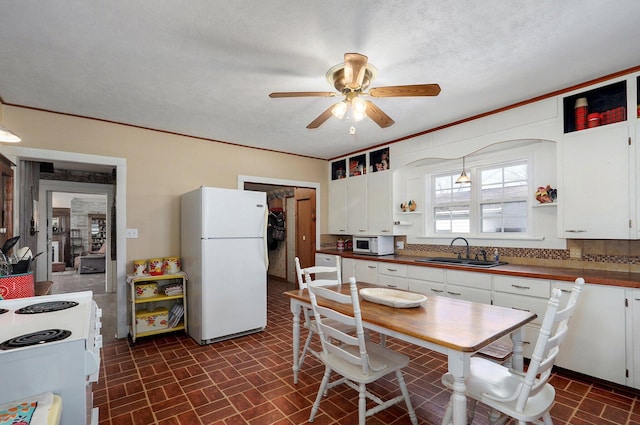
(34, 338)
(46, 307)
(3, 310)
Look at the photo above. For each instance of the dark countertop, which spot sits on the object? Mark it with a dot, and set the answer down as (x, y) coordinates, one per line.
(600, 277)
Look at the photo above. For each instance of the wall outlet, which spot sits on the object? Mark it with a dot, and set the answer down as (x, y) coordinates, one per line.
(132, 233)
(399, 245)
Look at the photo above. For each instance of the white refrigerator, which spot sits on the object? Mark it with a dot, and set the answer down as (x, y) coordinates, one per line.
(224, 253)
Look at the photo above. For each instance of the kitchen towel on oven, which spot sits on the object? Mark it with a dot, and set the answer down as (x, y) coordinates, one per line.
(28, 411)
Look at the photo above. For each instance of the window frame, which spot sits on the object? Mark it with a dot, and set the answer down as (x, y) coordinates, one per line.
(473, 167)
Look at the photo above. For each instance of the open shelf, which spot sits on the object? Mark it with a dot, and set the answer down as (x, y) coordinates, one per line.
(609, 101)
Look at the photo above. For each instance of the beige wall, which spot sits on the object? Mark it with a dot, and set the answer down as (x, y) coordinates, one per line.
(160, 167)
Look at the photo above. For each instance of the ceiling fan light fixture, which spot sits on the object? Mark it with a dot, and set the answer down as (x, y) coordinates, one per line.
(358, 115)
(358, 105)
(8, 136)
(340, 109)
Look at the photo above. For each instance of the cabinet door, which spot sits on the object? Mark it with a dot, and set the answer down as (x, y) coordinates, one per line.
(338, 207)
(595, 343)
(348, 269)
(633, 337)
(379, 203)
(366, 271)
(595, 193)
(357, 205)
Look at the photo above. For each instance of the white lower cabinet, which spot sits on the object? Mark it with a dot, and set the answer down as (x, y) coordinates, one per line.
(468, 294)
(603, 339)
(425, 280)
(366, 271)
(633, 337)
(327, 260)
(393, 275)
(595, 344)
(348, 269)
(468, 286)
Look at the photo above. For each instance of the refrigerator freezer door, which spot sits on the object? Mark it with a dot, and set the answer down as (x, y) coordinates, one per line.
(234, 287)
(231, 213)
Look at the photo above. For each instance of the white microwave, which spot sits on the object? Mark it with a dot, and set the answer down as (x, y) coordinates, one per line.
(373, 245)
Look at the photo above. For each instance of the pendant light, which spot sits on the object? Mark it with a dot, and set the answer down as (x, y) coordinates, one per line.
(8, 136)
(463, 177)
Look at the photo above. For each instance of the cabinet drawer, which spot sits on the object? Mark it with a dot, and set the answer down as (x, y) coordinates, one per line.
(392, 269)
(425, 273)
(327, 260)
(393, 282)
(470, 279)
(520, 302)
(518, 285)
(468, 294)
(426, 287)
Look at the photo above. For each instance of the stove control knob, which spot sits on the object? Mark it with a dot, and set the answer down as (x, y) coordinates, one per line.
(98, 312)
(98, 341)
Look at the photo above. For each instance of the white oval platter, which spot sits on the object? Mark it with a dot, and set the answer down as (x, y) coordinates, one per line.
(392, 297)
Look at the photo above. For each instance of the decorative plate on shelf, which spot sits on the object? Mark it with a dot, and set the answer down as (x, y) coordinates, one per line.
(393, 297)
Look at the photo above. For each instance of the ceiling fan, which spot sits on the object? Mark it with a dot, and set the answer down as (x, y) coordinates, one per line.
(351, 79)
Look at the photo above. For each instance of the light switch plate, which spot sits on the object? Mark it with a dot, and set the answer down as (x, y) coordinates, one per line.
(132, 233)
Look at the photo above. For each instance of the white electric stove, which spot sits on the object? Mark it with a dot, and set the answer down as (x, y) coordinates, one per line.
(52, 343)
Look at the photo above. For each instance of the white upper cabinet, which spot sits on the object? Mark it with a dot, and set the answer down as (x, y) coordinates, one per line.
(360, 195)
(338, 207)
(357, 206)
(596, 184)
(379, 203)
(595, 166)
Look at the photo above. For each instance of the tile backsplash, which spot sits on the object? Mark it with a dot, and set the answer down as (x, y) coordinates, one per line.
(610, 255)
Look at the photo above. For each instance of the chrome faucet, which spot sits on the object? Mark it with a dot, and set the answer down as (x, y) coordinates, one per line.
(468, 248)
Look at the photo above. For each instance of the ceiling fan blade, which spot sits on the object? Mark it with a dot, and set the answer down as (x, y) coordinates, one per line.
(377, 115)
(302, 94)
(321, 118)
(354, 67)
(410, 90)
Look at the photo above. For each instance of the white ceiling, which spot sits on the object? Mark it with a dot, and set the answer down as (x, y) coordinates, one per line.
(205, 67)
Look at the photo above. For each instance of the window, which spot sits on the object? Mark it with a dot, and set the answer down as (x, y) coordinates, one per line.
(451, 205)
(495, 201)
(503, 198)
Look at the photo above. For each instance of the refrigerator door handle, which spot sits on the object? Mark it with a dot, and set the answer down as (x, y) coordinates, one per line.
(264, 239)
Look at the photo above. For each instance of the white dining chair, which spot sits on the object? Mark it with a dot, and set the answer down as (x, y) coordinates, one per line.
(526, 397)
(304, 275)
(356, 358)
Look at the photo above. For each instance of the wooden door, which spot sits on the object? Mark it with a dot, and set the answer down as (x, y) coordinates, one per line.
(6, 199)
(305, 226)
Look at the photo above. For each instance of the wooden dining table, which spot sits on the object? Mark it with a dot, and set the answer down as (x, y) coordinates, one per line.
(456, 328)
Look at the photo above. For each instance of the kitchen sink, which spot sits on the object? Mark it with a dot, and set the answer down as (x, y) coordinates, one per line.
(461, 262)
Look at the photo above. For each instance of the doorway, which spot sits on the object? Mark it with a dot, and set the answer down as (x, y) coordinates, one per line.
(309, 197)
(79, 238)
